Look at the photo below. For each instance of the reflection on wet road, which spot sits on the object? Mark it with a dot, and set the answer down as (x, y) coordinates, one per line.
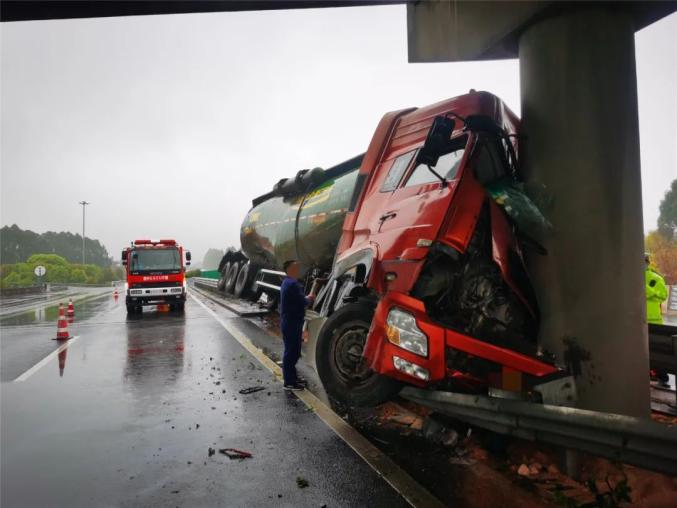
(125, 416)
(25, 337)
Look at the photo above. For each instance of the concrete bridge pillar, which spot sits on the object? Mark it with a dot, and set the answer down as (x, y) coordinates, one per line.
(579, 110)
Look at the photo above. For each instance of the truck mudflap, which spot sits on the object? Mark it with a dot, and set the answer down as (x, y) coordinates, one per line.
(405, 344)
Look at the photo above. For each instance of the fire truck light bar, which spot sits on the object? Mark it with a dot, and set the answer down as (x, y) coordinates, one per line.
(155, 242)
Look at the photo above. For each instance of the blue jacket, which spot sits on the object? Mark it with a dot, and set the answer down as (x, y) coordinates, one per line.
(293, 303)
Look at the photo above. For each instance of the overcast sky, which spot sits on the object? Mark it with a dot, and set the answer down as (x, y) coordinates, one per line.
(170, 125)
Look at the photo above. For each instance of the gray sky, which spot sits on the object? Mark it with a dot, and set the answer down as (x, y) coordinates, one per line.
(170, 125)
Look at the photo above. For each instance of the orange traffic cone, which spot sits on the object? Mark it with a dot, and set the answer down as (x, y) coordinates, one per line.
(62, 326)
(71, 309)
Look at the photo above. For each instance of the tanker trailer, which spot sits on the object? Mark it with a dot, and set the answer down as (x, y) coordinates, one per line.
(301, 218)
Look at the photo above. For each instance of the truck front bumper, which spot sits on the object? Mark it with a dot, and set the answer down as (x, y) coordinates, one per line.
(149, 296)
(386, 357)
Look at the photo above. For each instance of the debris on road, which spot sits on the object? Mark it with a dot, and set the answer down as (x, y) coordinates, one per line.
(301, 482)
(252, 389)
(233, 453)
(211, 451)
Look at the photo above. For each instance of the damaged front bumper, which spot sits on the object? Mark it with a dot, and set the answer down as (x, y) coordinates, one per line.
(403, 343)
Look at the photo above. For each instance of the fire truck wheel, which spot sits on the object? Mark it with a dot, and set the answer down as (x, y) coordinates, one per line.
(231, 277)
(221, 285)
(180, 306)
(340, 363)
(130, 309)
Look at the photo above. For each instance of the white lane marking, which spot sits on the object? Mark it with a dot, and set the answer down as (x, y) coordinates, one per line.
(414, 493)
(45, 360)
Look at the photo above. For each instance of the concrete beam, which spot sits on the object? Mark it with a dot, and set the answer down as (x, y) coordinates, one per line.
(24, 10)
(451, 31)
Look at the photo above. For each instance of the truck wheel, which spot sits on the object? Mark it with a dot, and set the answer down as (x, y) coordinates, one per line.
(339, 359)
(130, 309)
(231, 278)
(221, 285)
(180, 307)
(244, 285)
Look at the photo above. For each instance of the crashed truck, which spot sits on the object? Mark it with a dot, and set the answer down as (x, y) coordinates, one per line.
(416, 251)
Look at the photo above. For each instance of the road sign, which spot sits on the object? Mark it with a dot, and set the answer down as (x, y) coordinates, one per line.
(40, 270)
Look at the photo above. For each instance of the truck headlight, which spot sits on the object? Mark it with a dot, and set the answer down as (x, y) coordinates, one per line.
(402, 330)
(410, 368)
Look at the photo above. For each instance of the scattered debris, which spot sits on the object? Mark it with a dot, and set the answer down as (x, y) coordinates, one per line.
(301, 482)
(233, 453)
(523, 470)
(211, 451)
(252, 389)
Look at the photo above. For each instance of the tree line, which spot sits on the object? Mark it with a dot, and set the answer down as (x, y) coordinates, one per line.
(17, 245)
(58, 270)
(662, 243)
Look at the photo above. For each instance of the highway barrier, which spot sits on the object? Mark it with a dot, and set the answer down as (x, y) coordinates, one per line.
(636, 441)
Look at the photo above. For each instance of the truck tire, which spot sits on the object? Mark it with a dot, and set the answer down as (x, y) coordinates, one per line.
(131, 309)
(221, 285)
(244, 285)
(231, 277)
(340, 363)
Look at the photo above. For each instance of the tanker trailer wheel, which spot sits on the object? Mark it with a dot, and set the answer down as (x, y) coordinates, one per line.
(221, 285)
(244, 284)
(339, 360)
(231, 277)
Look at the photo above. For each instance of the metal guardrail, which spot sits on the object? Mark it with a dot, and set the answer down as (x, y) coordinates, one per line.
(635, 441)
(205, 282)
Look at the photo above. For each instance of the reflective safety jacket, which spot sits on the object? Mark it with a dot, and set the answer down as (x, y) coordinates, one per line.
(656, 293)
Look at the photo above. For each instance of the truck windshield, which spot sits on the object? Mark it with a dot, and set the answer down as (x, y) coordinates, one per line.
(156, 260)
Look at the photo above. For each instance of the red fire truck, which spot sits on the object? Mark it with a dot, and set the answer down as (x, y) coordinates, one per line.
(155, 274)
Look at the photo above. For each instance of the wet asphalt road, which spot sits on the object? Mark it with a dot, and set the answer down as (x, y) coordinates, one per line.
(126, 414)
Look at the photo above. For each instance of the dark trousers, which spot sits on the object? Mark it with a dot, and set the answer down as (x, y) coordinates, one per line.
(291, 335)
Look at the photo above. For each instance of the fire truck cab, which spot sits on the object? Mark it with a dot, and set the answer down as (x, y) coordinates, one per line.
(156, 274)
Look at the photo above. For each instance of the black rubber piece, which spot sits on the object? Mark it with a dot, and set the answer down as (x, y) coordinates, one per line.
(231, 278)
(221, 285)
(243, 283)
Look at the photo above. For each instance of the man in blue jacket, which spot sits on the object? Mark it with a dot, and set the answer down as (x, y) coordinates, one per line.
(293, 304)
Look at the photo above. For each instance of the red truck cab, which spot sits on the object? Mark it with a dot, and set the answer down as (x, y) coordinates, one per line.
(155, 274)
(429, 286)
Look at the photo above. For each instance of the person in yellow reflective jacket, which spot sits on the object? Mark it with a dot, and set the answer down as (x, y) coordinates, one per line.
(656, 293)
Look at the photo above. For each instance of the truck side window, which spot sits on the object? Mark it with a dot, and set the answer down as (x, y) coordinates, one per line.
(396, 171)
(447, 166)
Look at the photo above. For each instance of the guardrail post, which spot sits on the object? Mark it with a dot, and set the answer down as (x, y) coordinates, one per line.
(571, 463)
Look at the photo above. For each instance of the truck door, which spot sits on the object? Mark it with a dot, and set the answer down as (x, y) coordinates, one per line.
(417, 206)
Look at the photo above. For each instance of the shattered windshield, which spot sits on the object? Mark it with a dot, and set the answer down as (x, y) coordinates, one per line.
(156, 260)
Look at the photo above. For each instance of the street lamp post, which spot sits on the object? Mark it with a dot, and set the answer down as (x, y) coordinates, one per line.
(83, 203)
